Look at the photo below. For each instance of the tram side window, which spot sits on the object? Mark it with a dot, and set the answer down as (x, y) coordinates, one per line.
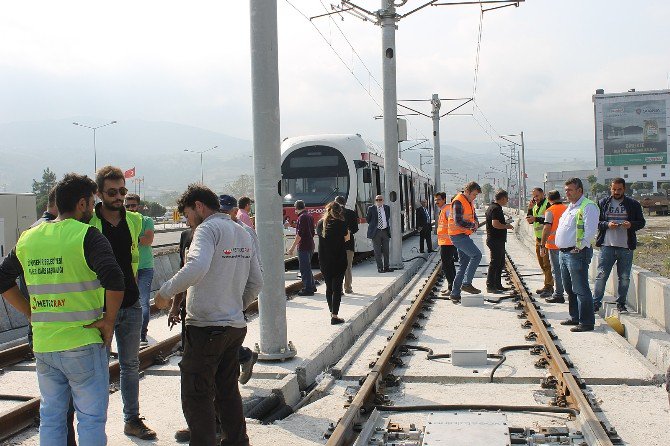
(364, 197)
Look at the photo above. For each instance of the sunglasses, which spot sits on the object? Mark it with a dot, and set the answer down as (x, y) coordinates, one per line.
(114, 192)
(132, 206)
(379, 199)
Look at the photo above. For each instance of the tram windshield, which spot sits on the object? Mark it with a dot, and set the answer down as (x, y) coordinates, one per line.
(315, 174)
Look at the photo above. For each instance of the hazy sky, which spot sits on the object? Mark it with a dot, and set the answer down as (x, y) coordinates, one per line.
(189, 62)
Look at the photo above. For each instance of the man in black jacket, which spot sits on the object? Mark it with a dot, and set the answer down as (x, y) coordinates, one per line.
(424, 226)
(351, 219)
(620, 217)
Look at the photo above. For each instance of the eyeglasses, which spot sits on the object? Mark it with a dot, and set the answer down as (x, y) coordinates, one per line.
(114, 192)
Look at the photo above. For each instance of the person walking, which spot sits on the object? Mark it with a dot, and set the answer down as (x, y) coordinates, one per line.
(244, 207)
(447, 248)
(72, 277)
(461, 224)
(304, 241)
(575, 234)
(333, 235)
(223, 276)
(379, 231)
(535, 217)
(123, 229)
(620, 217)
(351, 219)
(424, 226)
(548, 246)
(145, 268)
(496, 237)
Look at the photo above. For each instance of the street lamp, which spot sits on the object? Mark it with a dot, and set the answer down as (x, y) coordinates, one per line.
(95, 153)
(202, 175)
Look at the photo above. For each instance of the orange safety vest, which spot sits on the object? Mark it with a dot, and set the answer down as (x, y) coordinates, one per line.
(556, 210)
(468, 215)
(442, 226)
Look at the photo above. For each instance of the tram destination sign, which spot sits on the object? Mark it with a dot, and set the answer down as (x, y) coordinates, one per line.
(634, 132)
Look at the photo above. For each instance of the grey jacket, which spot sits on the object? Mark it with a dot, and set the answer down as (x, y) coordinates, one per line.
(221, 274)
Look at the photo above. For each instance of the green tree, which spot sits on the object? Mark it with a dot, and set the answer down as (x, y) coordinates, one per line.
(41, 189)
(152, 209)
(592, 180)
(597, 189)
(666, 188)
(486, 190)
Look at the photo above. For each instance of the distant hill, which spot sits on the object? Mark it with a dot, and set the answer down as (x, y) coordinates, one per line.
(156, 149)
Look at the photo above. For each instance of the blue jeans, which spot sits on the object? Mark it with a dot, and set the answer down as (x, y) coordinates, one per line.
(623, 257)
(575, 275)
(127, 333)
(82, 373)
(144, 278)
(305, 264)
(556, 271)
(469, 257)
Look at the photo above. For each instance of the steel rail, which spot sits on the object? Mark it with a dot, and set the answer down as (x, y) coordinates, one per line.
(567, 385)
(344, 431)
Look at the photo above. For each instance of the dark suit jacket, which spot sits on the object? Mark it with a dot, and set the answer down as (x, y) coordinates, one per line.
(351, 219)
(422, 217)
(372, 220)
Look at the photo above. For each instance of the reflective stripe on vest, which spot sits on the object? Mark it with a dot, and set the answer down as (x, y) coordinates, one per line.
(556, 210)
(442, 226)
(539, 212)
(134, 221)
(65, 293)
(579, 219)
(468, 216)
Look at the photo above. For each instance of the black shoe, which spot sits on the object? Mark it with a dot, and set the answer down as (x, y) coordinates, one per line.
(622, 308)
(421, 252)
(305, 293)
(247, 368)
(548, 292)
(579, 328)
(381, 271)
(389, 270)
(336, 321)
(183, 435)
(596, 308)
(569, 322)
(503, 288)
(137, 428)
(556, 300)
(493, 290)
(455, 299)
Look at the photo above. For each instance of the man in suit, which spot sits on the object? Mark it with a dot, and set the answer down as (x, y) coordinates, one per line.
(379, 219)
(351, 219)
(424, 226)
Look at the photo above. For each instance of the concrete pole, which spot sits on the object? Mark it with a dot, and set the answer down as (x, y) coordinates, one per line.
(267, 171)
(392, 183)
(523, 170)
(436, 141)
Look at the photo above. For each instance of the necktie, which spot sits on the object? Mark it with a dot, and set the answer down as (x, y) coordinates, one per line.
(380, 222)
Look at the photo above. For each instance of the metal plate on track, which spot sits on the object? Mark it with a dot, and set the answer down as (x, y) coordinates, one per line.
(466, 429)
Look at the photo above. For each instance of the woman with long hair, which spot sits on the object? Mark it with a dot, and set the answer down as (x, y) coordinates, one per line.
(333, 232)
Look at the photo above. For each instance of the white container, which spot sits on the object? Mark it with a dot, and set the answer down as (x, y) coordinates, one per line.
(468, 357)
(476, 300)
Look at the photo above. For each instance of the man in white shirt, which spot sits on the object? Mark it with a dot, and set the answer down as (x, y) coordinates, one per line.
(575, 235)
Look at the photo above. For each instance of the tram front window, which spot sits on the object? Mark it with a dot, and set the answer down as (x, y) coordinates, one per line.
(315, 174)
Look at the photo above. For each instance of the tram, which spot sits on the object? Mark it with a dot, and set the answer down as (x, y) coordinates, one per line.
(318, 168)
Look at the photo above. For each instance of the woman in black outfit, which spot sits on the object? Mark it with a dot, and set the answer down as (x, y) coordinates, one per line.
(333, 232)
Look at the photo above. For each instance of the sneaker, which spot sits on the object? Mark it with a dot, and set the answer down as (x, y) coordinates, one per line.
(569, 322)
(305, 293)
(143, 342)
(579, 328)
(137, 428)
(247, 368)
(621, 308)
(336, 321)
(548, 292)
(470, 289)
(556, 300)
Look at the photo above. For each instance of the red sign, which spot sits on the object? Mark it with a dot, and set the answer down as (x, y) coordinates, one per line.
(130, 173)
(291, 217)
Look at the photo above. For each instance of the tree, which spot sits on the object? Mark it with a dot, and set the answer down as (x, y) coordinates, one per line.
(666, 188)
(486, 190)
(152, 209)
(592, 181)
(41, 189)
(243, 186)
(597, 189)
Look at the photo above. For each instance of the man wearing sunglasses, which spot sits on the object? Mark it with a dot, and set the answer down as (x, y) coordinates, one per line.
(123, 229)
(379, 230)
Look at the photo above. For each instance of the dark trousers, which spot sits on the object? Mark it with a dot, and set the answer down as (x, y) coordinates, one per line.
(496, 263)
(209, 369)
(380, 244)
(448, 255)
(333, 289)
(425, 235)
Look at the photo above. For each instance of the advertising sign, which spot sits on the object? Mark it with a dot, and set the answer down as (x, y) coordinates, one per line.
(634, 132)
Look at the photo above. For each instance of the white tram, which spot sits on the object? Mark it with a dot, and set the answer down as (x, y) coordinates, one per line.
(318, 168)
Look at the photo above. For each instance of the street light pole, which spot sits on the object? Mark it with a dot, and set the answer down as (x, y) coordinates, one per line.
(200, 152)
(95, 152)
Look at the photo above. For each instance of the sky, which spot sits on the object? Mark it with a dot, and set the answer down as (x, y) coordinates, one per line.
(189, 62)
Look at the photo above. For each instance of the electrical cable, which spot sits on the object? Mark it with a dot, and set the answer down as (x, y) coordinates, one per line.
(503, 357)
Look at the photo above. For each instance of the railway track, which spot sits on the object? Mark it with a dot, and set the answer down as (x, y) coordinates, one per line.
(369, 401)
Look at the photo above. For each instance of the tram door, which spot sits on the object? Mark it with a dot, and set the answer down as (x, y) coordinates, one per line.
(412, 199)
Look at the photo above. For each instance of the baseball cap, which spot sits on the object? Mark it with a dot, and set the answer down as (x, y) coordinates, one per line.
(226, 202)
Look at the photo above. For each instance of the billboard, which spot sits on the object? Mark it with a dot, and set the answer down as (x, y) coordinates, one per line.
(634, 132)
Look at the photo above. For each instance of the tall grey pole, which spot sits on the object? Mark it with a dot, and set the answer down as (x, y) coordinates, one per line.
(267, 172)
(523, 169)
(436, 141)
(388, 20)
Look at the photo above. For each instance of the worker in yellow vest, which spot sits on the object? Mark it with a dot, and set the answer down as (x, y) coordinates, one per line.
(535, 217)
(76, 288)
(548, 243)
(447, 249)
(462, 222)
